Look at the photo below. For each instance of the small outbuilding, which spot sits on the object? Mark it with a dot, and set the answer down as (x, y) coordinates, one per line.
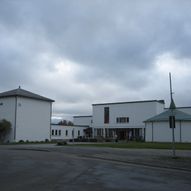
(158, 130)
(28, 113)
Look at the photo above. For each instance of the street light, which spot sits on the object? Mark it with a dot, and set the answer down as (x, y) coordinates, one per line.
(172, 120)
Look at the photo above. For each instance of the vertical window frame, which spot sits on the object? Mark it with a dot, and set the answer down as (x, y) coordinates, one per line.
(106, 115)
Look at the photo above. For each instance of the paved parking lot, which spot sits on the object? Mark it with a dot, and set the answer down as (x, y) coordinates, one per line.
(52, 168)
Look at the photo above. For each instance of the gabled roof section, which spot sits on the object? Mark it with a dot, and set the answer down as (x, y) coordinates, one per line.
(144, 101)
(23, 93)
(164, 116)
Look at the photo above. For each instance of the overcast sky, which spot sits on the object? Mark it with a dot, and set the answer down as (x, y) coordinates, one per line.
(80, 52)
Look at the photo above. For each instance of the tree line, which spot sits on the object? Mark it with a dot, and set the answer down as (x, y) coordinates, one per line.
(65, 122)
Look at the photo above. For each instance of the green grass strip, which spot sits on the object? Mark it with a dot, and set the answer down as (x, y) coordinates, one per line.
(139, 145)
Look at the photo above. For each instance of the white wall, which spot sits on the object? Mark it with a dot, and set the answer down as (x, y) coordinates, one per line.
(186, 131)
(33, 119)
(78, 131)
(82, 120)
(136, 111)
(162, 132)
(7, 111)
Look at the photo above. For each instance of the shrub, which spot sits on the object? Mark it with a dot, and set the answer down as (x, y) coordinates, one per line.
(61, 143)
(47, 141)
(5, 126)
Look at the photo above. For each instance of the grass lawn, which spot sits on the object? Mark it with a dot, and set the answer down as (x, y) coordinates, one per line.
(139, 145)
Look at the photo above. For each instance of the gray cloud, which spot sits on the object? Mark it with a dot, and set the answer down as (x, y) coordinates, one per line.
(82, 52)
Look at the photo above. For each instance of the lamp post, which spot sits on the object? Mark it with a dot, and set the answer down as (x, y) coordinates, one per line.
(172, 120)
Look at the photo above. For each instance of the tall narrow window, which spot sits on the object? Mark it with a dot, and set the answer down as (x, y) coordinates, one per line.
(106, 114)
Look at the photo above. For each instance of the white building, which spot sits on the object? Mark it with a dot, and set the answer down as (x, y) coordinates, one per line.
(83, 120)
(124, 119)
(158, 128)
(29, 114)
(61, 132)
(82, 128)
(86, 122)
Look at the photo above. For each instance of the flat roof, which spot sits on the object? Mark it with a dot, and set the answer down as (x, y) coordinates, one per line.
(79, 116)
(144, 101)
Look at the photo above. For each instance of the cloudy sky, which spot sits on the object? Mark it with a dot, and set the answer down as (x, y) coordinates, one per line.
(80, 52)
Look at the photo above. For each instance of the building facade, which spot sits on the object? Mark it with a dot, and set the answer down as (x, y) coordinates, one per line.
(28, 113)
(83, 120)
(158, 127)
(124, 120)
(61, 132)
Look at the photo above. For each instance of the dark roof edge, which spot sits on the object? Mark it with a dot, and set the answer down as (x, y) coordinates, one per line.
(79, 116)
(42, 99)
(144, 101)
(186, 107)
(164, 120)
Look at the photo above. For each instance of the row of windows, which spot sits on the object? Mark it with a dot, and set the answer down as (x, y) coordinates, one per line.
(122, 120)
(58, 132)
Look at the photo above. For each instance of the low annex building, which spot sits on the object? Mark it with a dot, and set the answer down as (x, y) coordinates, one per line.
(28, 113)
(82, 128)
(63, 132)
(158, 130)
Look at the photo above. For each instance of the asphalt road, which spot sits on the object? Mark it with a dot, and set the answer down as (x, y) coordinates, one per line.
(50, 168)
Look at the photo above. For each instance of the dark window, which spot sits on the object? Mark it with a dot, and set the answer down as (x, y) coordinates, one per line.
(78, 132)
(122, 120)
(106, 114)
(56, 132)
(66, 132)
(59, 132)
(52, 131)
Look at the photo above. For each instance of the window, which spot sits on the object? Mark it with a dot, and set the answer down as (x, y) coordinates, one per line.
(106, 114)
(1, 103)
(122, 120)
(78, 132)
(52, 131)
(66, 133)
(56, 131)
(59, 132)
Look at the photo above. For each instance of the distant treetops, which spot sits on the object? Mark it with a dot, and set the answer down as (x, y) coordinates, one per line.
(65, 122)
